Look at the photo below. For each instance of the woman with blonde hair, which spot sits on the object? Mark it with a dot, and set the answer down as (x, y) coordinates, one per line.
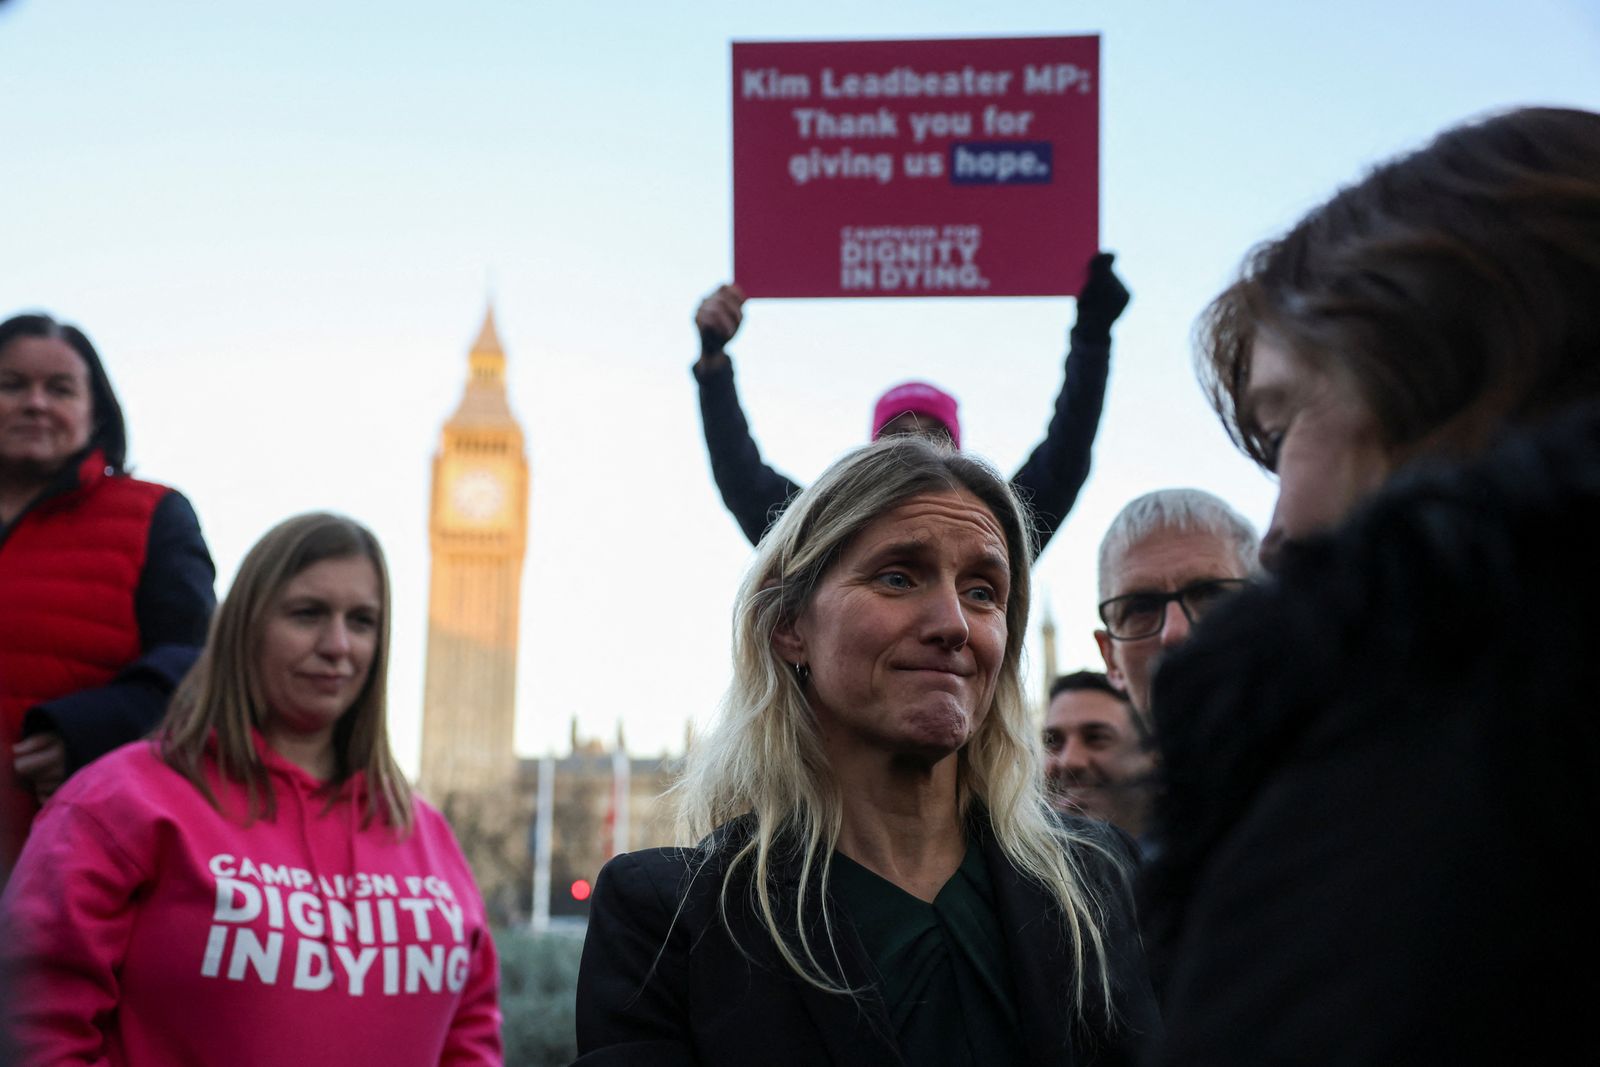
(879, 876)
(257, 884)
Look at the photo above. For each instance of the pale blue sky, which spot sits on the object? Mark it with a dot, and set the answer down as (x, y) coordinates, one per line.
(276, 222)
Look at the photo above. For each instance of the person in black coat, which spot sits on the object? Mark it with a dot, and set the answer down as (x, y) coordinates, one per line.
(1048, 482)
(879, 877)
(1381, 766)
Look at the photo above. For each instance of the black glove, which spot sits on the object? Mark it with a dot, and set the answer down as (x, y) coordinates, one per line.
(712, 342)
(1102, 300)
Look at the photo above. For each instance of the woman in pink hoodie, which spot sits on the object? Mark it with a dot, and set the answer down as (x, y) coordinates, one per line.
(257, 885)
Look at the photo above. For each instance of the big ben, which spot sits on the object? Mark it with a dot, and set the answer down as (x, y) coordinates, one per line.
(478, 529)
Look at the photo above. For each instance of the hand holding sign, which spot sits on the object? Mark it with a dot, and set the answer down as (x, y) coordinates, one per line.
(717, 318)
(1102, 300)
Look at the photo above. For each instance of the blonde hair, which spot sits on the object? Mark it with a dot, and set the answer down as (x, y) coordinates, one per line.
(764, 759)
(220, 700)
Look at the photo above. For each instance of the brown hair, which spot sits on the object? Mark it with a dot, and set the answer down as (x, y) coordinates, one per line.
(220, 700)
(1457, 287)
(109, 432)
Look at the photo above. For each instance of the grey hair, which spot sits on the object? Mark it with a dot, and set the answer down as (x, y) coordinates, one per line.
(1188, 510)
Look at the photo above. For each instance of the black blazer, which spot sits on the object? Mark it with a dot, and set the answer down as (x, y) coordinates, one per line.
(666, 986)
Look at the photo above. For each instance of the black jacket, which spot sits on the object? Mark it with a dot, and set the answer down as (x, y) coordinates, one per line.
(1381, 774)
(1049, 481)
(663, 983)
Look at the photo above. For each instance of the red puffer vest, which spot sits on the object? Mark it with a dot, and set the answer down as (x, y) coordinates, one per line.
(69, 572)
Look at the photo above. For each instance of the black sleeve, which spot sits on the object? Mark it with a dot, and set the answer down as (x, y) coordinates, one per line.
(1133, 1025)
(633, 982)
(175, 598)
(754, 492)
(1049, 481)
(173, 606)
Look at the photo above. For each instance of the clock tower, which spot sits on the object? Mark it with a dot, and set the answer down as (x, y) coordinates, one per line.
(478, 530)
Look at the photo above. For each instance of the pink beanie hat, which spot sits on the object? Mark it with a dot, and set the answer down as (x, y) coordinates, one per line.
(921, 398)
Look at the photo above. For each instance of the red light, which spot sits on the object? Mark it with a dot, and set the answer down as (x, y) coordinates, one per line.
(581, 889)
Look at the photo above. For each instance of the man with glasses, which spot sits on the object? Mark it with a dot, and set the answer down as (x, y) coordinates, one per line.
(1168, 558)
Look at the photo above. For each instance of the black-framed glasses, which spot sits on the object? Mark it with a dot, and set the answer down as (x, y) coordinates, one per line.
(1140, 615)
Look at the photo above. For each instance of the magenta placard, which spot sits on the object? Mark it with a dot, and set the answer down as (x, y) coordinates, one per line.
(916, 168)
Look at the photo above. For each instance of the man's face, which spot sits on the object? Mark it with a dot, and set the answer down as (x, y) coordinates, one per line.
(1165, 561)
(1094, 763)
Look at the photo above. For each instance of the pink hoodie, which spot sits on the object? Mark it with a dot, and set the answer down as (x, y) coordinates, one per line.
(144, 927)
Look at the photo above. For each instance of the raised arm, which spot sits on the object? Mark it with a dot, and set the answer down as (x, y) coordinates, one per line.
(1056, 470)
(751, 490)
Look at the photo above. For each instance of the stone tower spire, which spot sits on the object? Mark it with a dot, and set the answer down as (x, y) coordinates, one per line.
(478, 533)
(1047, 637)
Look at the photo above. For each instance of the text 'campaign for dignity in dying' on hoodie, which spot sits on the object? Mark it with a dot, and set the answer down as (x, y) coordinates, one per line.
(147, 927)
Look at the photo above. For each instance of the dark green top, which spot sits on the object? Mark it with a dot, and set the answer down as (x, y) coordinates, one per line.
(942, 967)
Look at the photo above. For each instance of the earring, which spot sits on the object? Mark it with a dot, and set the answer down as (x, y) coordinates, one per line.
(802, 674)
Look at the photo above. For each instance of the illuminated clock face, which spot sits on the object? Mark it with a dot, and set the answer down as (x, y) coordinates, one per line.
(477, 495)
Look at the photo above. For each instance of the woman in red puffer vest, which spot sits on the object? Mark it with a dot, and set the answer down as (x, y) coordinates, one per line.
(105, 580)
